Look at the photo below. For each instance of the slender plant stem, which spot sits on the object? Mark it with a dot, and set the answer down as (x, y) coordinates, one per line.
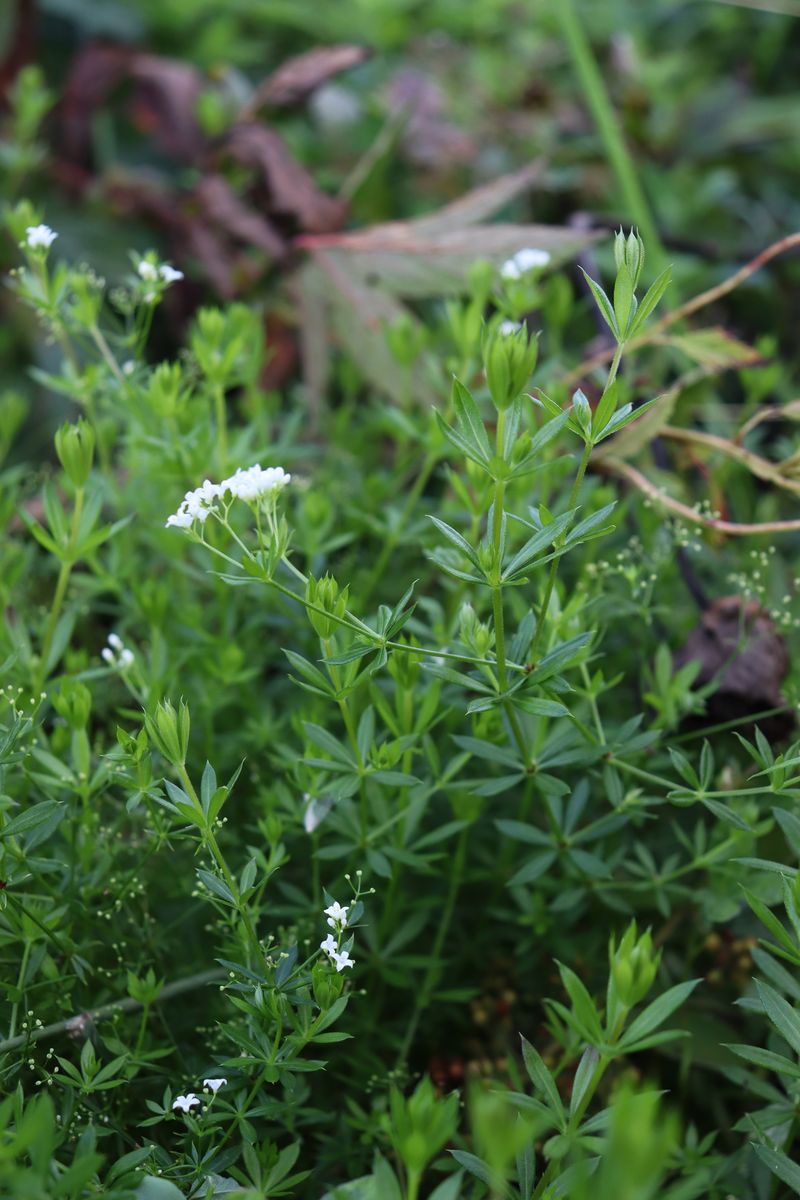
(429, 982)
(127, 1004)
(617, 152)
(211, 841)
(573, 499)
(222, 427)
(67, 563)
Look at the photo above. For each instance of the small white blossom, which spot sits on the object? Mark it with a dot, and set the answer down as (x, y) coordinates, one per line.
(528, 259)
(116, 653)
(329, 945)
(508, 328)
(253, 483)
(196, 505)
(214, 1084)
(128, 367)
(37, 236)
(337, 914)
(186, 1103)
(342, 960)
(147, 270)
(169, 274)
(316, 811)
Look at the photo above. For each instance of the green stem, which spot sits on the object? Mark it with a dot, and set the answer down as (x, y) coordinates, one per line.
(127, 1004)
(211, 841)
(573, 498)
(222, 426)
(602, 110)
(67, 563)
(432, 975)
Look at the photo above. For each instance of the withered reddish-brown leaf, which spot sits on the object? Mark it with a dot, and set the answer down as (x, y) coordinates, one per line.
(166, 99)
(429, 138)
(291, 190)
(223, 207)
(737, 645)
(298, 77)
(95, 72)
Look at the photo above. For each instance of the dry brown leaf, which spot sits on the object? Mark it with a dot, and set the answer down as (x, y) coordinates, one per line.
(298, 77)
(291, 190)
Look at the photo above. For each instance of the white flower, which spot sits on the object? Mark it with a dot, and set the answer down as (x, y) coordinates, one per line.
(329, 945)
(316, 811)
(39, 235)
(169, 274)
(116, 653)
(253, 483)
(147, 270)
(214, 1084)
(185, 1103)
(337, 914)
(508, 328)
(128, 367)
(528, 259)
(342, 960)
(196, 505)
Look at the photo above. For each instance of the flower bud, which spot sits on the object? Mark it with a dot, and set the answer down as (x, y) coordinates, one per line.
(325, 594)
(326, 984)
(73, 702)
(475, 634)
(508, 362)
(629, 251)
(406, 339)
(75, 450)
(168, 729)
(633, 967)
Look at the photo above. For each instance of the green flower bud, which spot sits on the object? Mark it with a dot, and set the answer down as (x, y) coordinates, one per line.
(326, 984)
(164, 389)
(475, 634)
(633, 966)
(509, 358)
(403, 667)
(168, 729)
(325, 594)
(75, 450)
(73, 702)
(629, 251)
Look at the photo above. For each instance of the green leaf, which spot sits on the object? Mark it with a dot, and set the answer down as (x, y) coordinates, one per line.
(583, 1006)
(542, 1080)
(469, 418)
(457, 540)
(482, 1171)
(650, 300)
(781, 1166)
(657, 1013)
(583, 1077)
(782, 1015)
(33, 817)
(623, 298)
(604, 304)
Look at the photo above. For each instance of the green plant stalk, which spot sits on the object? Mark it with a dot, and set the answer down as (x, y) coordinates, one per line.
(211, 841)
(497, 600)
(222, 426)
(576, 487)
(425, 991)
(347, 717)
(67, 563)
(591, 81)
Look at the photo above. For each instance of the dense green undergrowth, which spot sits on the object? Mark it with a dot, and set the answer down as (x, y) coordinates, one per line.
(398, 766)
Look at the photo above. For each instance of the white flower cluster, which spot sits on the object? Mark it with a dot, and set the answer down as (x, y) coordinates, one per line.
(337, 919)
(186, 1103)
(39, 237)
(253, 484)
(151, 272)
(529, 259)
(116, 653)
